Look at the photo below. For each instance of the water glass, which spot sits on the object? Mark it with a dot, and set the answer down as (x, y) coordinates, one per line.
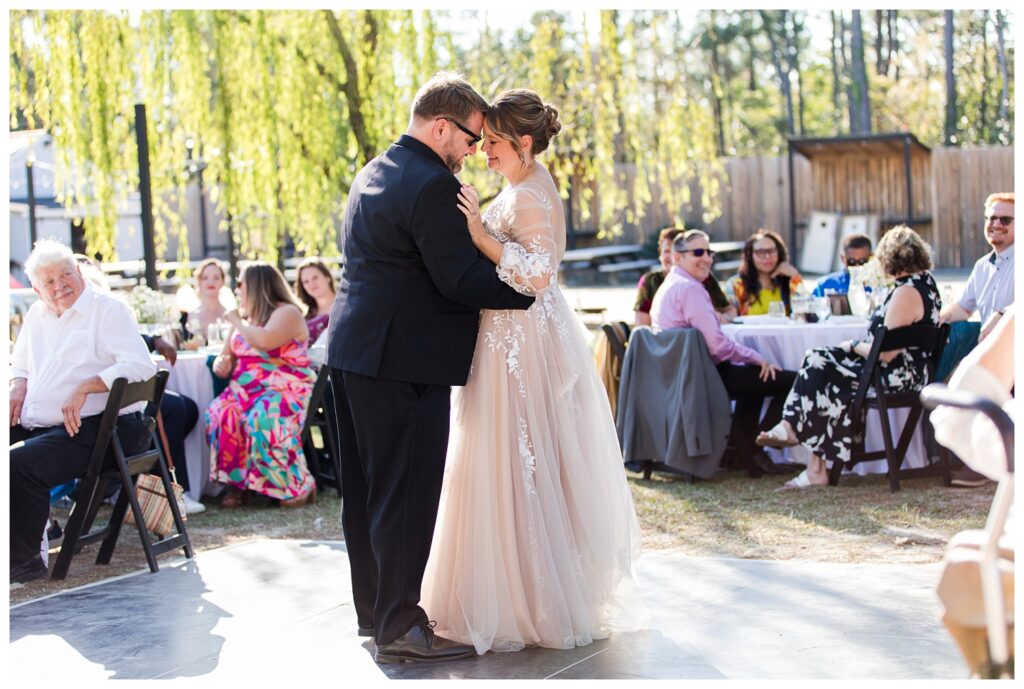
(799, 307)
(777, 309)
(822, 307)
(213, 335)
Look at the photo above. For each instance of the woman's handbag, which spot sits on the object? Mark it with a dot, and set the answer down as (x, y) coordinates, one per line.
(149, 489)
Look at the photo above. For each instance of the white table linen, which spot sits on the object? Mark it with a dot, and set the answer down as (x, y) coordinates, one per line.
(190, 377)
(786, 343)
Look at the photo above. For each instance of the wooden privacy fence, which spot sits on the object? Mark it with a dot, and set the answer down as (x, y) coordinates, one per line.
(949, 188)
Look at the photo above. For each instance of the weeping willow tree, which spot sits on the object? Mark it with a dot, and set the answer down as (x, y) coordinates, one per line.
(284, 107)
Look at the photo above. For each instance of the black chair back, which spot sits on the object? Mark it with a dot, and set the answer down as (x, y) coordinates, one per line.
(92, 488)
(320, 415)
(616, 340)
(926, 337)
(929, 338)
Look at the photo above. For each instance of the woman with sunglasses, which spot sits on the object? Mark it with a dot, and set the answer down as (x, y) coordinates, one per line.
(765, 275)
(682, 302)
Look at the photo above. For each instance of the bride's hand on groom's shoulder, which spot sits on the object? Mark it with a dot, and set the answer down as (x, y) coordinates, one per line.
(469, 204)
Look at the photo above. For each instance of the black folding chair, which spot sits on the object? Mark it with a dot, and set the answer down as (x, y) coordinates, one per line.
(323, 460)
(93, 486)
(929, 339)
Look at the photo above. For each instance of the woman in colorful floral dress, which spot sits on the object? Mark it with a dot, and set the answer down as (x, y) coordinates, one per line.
(254, 426)
(815, 414)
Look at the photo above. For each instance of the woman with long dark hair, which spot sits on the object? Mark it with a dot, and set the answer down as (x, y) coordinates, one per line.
(314, 286)
(765, 275)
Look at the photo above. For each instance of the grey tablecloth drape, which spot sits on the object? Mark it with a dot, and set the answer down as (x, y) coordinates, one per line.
(673, 408)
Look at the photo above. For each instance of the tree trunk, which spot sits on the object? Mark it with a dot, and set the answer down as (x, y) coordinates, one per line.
(949, 134)
(782, 72)
(983, 127)
(1004, 97)
(751, 62)
(894, 38)
(860, 105)
(793, 60)
(879, 63)
(352, 93)
(716, 85)
(837, 110)
(893, 42)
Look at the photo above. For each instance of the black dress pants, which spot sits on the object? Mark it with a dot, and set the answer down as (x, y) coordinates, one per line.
(393, 438)
(743, 383)
(44, 458)
(180, 415)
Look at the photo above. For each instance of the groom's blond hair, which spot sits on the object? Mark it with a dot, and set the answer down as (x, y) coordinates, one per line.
(447, 94)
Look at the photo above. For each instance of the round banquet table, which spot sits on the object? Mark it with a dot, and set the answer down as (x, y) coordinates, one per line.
(190, 377)
(784, 343)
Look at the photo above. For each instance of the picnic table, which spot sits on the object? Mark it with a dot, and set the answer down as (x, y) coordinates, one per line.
(601, 254)
(723, 249)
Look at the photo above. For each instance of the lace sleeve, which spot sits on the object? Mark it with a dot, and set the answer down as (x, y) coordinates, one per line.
(528, 262)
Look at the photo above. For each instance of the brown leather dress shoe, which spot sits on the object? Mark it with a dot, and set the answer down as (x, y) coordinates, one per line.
(421, 645)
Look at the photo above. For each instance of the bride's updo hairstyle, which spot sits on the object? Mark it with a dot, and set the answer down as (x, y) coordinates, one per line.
(519, 112)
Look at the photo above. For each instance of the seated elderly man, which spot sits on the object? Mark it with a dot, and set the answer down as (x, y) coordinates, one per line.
(75, 342)
(682, 302)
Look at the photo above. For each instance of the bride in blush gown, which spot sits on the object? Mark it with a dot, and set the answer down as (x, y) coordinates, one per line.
(537, 534)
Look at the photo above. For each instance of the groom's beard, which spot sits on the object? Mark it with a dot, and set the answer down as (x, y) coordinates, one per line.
(452, 160)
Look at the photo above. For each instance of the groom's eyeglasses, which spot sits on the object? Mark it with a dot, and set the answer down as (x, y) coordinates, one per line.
(474, 139)
(699, 253)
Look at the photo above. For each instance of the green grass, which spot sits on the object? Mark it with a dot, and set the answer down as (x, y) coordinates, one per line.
(733, 515)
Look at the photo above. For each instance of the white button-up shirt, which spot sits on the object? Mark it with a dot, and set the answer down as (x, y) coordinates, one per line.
(990, 286)
(97, 335)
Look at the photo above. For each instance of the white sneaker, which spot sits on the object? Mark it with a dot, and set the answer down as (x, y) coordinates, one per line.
(193, 507)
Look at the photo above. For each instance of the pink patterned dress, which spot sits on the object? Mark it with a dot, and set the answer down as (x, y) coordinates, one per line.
(254, 426)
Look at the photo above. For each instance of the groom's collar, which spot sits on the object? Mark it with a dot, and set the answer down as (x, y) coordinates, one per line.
(414, 144)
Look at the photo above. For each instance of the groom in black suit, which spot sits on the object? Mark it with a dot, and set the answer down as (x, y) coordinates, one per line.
(403, 329)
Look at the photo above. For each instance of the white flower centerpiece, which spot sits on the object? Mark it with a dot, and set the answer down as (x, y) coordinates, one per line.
(868, 286)
(151, 309)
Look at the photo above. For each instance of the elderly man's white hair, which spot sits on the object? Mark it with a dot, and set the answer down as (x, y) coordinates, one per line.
(47, 253)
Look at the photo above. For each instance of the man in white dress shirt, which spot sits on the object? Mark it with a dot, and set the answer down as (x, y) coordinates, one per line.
(75, 342)
(989, 291)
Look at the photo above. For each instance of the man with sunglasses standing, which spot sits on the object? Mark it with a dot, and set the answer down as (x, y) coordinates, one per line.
(989, 291)
(856, 252)
(402, 332)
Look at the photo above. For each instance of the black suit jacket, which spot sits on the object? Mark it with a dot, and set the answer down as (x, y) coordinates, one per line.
(413, 284)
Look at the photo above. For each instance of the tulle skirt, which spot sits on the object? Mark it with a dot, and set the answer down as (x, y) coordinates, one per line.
(536, 533)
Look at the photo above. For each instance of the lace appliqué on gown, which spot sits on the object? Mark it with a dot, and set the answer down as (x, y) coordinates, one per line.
(536, 531)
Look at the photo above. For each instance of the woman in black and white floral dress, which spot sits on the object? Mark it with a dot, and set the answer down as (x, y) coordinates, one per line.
(815, 414)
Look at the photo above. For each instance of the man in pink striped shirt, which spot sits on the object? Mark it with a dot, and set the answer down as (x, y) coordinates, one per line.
(682, 302)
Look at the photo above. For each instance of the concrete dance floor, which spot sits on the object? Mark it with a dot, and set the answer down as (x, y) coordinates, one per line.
(280, 611)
